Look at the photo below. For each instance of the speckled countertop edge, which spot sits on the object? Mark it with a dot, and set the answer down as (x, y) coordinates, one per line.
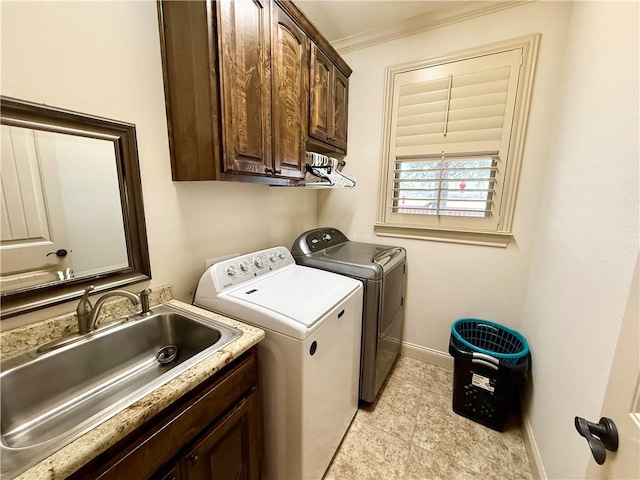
(30, 336)
(79, 452)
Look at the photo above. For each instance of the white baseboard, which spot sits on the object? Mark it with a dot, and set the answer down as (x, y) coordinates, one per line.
(537, 467)
(427, 355)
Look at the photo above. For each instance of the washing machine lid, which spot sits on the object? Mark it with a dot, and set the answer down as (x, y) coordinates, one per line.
(302, 295)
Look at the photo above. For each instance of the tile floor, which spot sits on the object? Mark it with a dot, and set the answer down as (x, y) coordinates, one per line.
(412, 433)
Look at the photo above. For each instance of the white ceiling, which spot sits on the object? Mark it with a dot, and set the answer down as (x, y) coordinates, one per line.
(338, 19)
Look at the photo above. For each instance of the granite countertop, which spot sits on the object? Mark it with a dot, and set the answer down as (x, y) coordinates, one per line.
(79, 452)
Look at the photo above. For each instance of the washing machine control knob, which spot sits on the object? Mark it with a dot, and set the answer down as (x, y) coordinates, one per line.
(281, 254)
(258, 262)
(244, 267)
(326, 237)
(231, 271)
(272, 258)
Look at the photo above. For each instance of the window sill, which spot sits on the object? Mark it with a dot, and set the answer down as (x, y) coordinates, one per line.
(486, 239)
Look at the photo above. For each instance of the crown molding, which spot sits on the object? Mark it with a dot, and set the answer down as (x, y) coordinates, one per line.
(427, 21)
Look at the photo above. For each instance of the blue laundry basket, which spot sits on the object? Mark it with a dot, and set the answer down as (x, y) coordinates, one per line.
(489, 338)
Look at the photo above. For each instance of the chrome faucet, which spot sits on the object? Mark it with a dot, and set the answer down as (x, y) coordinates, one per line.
(88, 314)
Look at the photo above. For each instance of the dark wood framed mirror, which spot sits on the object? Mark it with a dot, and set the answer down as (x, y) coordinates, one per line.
(71, 206)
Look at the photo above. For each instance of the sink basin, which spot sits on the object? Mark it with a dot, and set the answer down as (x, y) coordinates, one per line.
(49, 399)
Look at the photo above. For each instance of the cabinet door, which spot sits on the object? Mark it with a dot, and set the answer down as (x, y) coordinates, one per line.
(169, 473)
(338, 136)
(321, 114)
(244, 46)
(231, 450)
(190, 64)
(290, 79)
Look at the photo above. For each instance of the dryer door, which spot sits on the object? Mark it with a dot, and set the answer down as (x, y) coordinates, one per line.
(392, 303)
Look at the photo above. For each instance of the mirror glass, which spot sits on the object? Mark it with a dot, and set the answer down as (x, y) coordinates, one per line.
(71, 206)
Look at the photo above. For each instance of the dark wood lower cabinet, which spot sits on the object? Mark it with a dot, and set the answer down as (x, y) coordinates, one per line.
(229, 450)
(172, 473)
(215, 431)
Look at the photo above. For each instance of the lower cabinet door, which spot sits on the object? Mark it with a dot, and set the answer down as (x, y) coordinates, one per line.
(231, 449)
(169, 473)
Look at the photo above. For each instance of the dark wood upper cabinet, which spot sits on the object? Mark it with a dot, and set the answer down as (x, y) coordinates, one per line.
(217, 63)
(245, 59)
(340, 109)
(290, 82)
(329, 99)
(192, 91)
(321, 109)
(240, 104)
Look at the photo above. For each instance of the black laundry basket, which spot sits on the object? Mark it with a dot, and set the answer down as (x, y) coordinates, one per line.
(491, 363)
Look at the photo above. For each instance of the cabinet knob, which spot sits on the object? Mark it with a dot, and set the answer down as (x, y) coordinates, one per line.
(268, 170)
(193, 458)
(277, 172)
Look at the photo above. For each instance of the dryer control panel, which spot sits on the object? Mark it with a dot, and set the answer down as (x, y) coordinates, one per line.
(238, 270)
(318, 239)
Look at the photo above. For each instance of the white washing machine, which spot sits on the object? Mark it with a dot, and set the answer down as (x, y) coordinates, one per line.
(309, 360)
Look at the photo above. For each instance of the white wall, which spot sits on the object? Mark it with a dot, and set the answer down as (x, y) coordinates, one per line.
(103, 58)
(447, 281)
(587, 243)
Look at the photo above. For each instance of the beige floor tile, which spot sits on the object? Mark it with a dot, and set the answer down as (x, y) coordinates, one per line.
(439, 379)
(396, 409)
(369, 453)
(423, 465)
(412, 433)
(436, 424)
(520, 465)
(409, 370)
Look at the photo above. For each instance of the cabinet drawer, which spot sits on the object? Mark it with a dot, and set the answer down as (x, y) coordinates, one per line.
(144, 451)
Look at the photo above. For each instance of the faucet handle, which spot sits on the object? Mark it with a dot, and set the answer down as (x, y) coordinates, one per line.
(144, 301)
(85, 304)
(84, 310)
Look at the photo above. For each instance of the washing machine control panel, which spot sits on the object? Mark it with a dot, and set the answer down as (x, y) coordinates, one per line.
(235, 271)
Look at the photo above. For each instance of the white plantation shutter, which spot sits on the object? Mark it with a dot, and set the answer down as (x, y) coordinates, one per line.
(449, 144)
(455, 108)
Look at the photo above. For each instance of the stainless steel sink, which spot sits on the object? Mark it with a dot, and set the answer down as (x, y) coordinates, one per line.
(49, 399)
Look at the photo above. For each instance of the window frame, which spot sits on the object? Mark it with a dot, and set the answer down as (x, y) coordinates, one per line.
(419, 228)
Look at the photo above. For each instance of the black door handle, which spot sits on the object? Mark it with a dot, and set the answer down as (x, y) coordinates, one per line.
(601, 436)
(58, 253)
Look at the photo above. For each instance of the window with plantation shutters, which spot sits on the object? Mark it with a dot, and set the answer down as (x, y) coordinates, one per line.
(454, 139)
